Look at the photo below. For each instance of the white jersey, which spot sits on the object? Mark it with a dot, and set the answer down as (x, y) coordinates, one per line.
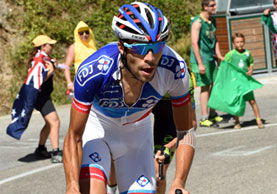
(116, 131)
(97, 83)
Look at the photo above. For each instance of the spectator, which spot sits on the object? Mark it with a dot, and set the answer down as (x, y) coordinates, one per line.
(271, 21)
(83, 46)
(43, 46)
(35, 93)
(243, 59)
(204, 53)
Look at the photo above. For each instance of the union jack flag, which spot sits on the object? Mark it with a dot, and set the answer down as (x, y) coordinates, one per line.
(26, 98)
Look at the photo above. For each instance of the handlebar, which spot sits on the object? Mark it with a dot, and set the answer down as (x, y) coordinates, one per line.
(161, 171)
(178, 191)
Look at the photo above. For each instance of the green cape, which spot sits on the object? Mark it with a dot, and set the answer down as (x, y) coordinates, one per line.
(230, 86)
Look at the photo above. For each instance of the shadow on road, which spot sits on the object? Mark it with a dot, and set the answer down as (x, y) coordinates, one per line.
(31, 158)
(228, 117)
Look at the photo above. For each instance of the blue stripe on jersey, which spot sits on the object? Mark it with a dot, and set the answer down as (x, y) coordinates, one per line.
(178, 97)
(111, 102)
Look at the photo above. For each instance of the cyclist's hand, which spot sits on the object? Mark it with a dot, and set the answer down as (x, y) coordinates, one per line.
(177, 185)
(173, 191)
(159, 157)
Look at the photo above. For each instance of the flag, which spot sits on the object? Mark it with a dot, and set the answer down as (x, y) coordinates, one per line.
(26, 98)
(22, 110)
(230, 87)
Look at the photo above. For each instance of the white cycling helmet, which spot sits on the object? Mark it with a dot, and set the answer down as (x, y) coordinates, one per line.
(140, 22)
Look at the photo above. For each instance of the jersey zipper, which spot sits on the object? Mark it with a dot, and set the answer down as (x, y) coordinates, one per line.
(124, 118)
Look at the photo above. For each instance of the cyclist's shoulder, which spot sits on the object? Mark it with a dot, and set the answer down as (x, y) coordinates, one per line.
(168, 52)
(172, 61)
(99, 65)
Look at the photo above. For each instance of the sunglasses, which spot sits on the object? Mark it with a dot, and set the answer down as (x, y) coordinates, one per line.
(143, 48)
(84, 32)
(211, 5)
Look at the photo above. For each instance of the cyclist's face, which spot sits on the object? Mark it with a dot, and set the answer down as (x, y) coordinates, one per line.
(143, 67)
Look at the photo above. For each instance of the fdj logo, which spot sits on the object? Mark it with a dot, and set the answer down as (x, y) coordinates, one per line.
(87, 71)
(111, 103)
(142, 181)
(180, 70)
(95, 157)
(167, 61)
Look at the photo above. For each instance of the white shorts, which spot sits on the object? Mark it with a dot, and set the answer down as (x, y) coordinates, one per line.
(131, 148)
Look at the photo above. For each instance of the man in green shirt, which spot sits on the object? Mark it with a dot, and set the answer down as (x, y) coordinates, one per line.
(204, 53)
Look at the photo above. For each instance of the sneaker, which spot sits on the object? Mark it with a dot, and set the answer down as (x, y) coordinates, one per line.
(57, 157)
(217, 119)
(42, 152)
(208, 123)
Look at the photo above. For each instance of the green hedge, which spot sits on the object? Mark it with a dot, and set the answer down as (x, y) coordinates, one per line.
(59, 18)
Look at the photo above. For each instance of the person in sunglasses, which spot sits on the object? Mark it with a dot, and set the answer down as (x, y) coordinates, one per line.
(115, 90)
(204, 54)
(83, 47)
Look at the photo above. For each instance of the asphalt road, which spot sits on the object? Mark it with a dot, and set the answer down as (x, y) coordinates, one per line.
(227, 161)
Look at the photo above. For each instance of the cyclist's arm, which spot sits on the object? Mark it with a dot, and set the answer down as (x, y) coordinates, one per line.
(172, 144)
(184, 152)
(73, 150)
(68, 62)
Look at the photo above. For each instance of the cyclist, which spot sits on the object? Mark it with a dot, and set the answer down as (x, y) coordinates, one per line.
(115, 90)
(164, 139)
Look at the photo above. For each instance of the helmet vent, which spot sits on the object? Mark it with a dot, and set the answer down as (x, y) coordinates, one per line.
(150, 18)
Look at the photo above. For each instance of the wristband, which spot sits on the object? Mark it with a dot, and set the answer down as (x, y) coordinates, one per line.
(186, 137)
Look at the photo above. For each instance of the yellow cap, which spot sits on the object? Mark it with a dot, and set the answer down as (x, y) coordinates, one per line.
(43, 39)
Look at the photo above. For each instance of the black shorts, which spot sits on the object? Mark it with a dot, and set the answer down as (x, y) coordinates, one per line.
(164, 127)
(44, 105)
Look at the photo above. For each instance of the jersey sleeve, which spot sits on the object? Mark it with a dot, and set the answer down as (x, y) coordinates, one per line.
(179, 87)
(89, 80)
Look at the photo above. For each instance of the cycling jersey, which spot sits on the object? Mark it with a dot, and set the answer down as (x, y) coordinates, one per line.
(116, 131)
(98, 83)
